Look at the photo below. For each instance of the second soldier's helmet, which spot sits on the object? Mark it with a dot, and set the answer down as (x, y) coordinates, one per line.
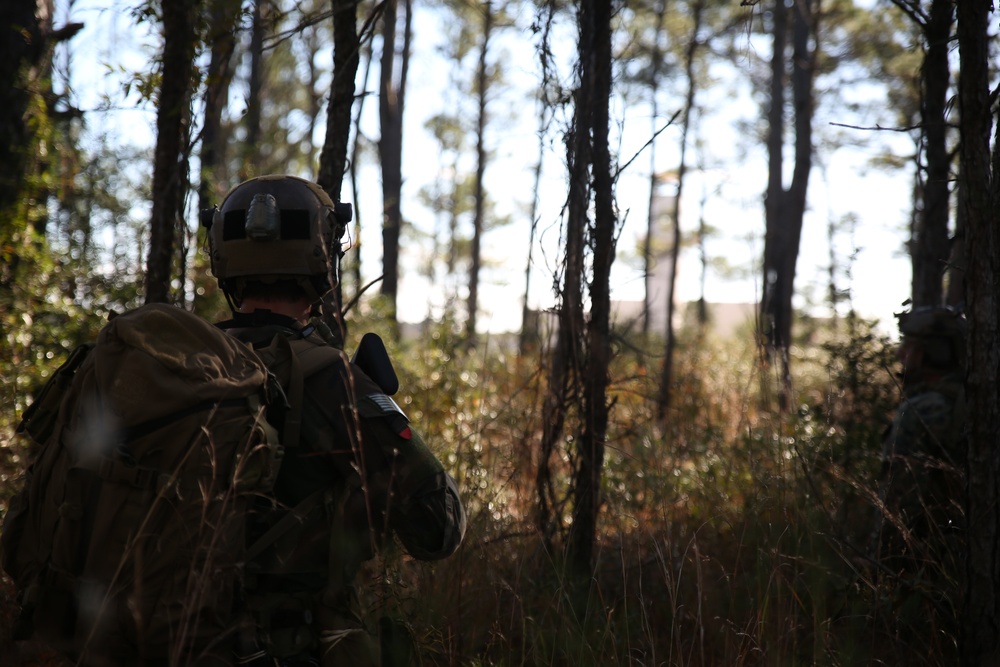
(273, 228)
(941, 331)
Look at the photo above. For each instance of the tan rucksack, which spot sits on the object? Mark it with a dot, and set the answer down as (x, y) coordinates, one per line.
(128, 538)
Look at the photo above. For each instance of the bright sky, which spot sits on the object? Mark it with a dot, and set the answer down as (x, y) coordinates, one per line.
(840, 185)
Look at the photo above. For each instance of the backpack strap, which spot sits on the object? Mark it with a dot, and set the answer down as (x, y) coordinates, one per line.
(293, 518)
(293, 391)
(303, 357)
(314, 357)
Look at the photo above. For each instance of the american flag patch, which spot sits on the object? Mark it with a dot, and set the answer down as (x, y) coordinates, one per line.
(386, 403)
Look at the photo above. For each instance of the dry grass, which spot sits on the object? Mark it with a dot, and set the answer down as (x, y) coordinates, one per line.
(736, 536)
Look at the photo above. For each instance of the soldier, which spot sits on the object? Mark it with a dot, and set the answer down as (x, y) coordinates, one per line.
(358, 471)
(923, 457)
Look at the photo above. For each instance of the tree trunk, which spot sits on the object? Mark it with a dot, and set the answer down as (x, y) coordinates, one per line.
(333, 157)
(170, 156)
(702, 237)
(482, 84)
(21, 48)
(958, 261)
(346, 57)
(392, 89)
(565, 372)
(530, 325)
(980, 640)
(592, 118)
(313, 42)
(774, 201)
(785, 208)
(561, 376)
(251, 120)
(224, 18)
(666, 378)
(223, 24)
(931, 253)
(355, 151)
(27, 38)
(655, 63)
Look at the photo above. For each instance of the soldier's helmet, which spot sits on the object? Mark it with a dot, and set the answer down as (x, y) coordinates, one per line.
(942, 332)
(274, 228)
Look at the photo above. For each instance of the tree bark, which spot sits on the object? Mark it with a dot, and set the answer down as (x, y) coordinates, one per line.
(666, 377)
(930, 257)
(958, 262)
(565, 366)
(529, 335)
(355, 150)
(655, 65)
(26, 37)
(223, 22)
(170, 156)
(333, 157)
(223, 17)
(392, 92)
(980, 639)
(785, 208)
(251, 120)
(482, 85)
(774, 201)
(346, 57)
(592, 124)
(20, 49)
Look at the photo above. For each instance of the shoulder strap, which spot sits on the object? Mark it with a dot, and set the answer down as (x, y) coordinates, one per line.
(293, 518)
(314, 356)
(304, 358)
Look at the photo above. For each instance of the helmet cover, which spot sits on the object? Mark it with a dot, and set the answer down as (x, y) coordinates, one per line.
(273, 228)
(940, 329)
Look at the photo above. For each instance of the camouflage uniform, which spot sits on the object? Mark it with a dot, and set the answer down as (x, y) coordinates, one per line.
(370, 474)
(356, 472)
(923, 461)
(923, 456)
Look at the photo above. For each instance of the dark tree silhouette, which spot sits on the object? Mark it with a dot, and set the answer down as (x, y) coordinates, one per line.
(980, 640)
(929, 249)
(592, 119)
(172, 134)
(223, 16)
(784, 208)
(579, 367)
(482, 86)
(392, 94)
(333, 157)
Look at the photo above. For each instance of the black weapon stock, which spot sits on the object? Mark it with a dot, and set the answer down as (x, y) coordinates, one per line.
(372, 358)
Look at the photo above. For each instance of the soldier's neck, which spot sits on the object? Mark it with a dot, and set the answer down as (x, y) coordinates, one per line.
(294, 310)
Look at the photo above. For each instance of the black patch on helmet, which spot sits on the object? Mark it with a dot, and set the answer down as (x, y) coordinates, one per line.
(234, 225)
(294, 225)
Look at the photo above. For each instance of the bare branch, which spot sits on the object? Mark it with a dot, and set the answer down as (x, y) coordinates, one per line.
(877, 128)
(647, 144)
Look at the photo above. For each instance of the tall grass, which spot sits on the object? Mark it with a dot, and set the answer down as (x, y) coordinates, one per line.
(736, 535)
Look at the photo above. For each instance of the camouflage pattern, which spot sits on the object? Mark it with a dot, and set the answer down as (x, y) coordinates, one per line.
(364, 474)
(923, 456)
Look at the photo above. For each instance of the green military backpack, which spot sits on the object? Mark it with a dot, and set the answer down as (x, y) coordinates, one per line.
(127, 541)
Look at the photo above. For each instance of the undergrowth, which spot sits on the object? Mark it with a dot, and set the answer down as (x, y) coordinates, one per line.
(733, 535)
